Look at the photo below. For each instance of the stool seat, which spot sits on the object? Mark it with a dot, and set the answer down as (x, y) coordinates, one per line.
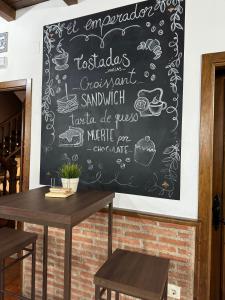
(135, 274)
(13, 241)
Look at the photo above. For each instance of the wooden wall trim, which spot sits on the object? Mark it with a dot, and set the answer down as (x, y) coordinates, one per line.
(205, 173)
(13, 85)
(210, 62)
(26, 132)
(27, 136)
(155, 217)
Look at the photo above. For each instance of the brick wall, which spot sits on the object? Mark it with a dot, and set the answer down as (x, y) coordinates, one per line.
(173, 241)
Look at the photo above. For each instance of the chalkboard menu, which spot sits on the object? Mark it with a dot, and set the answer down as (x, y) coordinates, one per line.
(112, 98)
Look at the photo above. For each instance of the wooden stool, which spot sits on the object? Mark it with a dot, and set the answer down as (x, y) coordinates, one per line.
(134, 274)
(11, 242)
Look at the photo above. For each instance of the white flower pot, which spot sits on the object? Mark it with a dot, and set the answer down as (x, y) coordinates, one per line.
(70, 183)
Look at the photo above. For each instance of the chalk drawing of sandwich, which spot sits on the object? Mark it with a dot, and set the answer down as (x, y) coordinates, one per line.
(68, 103)
(72, 137)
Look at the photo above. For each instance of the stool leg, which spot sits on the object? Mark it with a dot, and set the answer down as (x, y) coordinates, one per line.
(97, 292)
(33, 271)
(2, 264)
(108, 294)
(117, 296)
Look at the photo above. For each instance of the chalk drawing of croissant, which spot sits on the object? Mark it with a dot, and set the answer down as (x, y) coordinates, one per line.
(153, 46)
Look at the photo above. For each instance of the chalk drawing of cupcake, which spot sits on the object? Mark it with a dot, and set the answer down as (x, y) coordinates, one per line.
(144, 151)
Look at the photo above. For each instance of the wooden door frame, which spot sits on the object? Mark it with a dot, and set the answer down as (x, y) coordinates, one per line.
(26, 130)
(210, 63)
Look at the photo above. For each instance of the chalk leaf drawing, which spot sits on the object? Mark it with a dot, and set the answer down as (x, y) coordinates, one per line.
(144, 151)
(172, 5)
(160, 4)
(174, 77)
(171, 164)
(152, 45)
(49, 32)
(149, 103)
(174, 109)
(173, 72)
(49, 115)
(175, 44)
(175, 17)
(73, 137)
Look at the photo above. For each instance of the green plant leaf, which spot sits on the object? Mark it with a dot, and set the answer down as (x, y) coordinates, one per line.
(70, 170)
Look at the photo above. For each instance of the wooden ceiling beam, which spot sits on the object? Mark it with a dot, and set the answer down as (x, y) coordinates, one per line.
(7, 12)
(71, 2)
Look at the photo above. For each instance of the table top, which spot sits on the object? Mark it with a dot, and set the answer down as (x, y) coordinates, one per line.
(33, 207)
(135, 274)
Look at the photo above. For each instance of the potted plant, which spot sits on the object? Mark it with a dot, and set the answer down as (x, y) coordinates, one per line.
(70, 174)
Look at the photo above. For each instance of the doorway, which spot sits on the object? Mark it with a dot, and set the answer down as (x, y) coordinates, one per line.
(15, 121)
(211, 282)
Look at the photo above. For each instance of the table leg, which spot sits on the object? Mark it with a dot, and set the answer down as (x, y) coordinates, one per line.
(110, 221)
(165, 291)
(117, 297)
(108, 294)
(33, 271)
(97, 293)
(2, 283)
(45, 263)
(67, 263)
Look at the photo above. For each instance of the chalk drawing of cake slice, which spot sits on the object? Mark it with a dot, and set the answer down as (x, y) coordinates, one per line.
(144, 151)
(73, 137)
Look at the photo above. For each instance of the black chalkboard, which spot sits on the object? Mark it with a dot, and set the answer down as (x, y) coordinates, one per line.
(112, 98)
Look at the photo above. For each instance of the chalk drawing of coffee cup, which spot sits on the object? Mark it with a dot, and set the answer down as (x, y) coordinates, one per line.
(60, 61)
(156, 108)
(149, 103)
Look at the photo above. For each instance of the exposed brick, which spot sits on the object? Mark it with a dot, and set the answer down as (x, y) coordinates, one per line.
(140, 236)
(177, 226)
(175, 242)
(89, 251)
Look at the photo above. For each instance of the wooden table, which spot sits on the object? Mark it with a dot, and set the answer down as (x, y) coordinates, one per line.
(33, 207)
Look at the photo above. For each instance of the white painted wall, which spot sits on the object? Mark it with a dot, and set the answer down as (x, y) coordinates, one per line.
(204, 33)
